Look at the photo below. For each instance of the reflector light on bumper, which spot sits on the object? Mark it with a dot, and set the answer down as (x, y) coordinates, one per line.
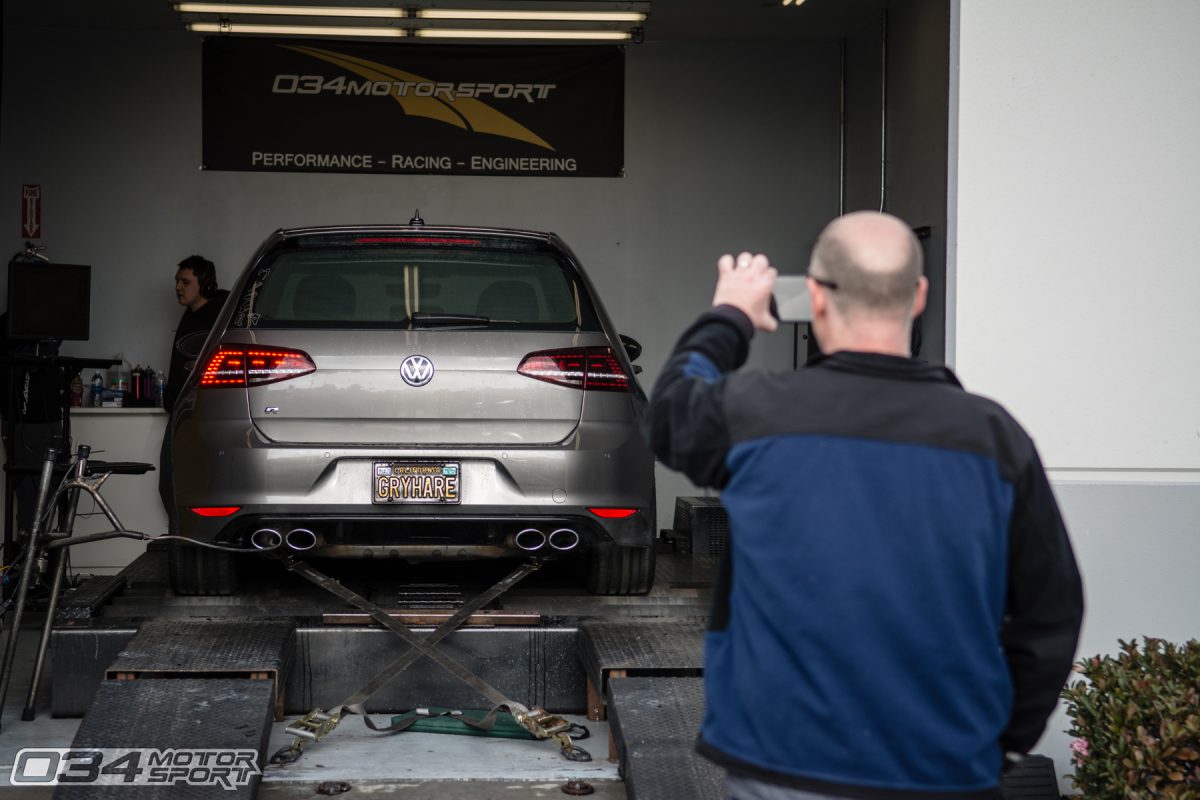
(216, 511)
(613, 513)
(253, 366)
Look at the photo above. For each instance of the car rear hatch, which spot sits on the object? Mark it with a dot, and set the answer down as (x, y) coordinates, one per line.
(358, 393)
(414, 341)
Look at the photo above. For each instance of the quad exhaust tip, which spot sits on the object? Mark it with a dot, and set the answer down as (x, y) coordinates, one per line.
(530, 540)
(563, 539)
(266, 539)
(301, 539)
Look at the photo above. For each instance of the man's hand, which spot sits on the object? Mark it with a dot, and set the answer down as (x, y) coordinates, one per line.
(746, 283)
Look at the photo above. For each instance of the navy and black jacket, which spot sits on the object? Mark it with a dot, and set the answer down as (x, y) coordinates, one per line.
(899, 605)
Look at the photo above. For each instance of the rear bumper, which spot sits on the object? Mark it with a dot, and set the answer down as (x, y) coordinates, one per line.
(424, 538)
(328, 490)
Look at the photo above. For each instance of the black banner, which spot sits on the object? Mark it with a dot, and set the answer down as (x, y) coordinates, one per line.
(304, 106)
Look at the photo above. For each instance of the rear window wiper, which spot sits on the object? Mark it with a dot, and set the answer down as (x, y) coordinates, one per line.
(461, 320)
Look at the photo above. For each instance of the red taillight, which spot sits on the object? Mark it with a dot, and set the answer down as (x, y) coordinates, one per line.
(253, 366)
(216, 511)
(593, 368)
(613, 513)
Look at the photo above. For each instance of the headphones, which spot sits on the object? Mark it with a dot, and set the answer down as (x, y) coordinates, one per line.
(205, 272)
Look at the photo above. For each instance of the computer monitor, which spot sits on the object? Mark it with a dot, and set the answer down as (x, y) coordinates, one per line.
(49, 301)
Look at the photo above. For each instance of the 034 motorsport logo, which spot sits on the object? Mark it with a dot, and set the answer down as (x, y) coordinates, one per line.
(359, 107)
(134, 766)
(453, 104)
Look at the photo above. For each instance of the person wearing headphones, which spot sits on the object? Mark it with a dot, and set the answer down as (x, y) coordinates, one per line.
(196, 289)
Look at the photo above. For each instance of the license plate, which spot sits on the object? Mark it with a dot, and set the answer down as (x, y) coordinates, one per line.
(416, 482)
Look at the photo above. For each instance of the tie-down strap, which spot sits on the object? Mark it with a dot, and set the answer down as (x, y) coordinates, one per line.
(317, 723)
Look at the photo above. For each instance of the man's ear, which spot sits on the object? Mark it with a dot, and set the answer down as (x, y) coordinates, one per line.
(818, 299)
(921, 296)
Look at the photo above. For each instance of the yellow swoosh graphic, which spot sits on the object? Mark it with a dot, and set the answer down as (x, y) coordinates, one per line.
(466, 112)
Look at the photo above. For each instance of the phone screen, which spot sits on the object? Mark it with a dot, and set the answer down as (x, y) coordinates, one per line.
(791, 299)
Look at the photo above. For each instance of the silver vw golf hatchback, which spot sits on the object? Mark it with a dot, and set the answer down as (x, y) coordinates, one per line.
(417, 393)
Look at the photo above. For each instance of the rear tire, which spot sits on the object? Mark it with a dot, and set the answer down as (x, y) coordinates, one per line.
(616, 570)
(201, 571)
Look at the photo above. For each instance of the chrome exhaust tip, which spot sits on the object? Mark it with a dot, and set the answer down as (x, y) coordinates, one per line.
(563, 539)
(530, 540)
(301, 539)
(266, 539)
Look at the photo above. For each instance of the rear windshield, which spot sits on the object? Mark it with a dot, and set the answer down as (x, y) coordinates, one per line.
(438, 282)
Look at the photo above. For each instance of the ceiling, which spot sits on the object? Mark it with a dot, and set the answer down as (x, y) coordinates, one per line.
(670, 20)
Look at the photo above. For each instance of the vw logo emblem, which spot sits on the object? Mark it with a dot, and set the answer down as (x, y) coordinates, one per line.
(416, 370)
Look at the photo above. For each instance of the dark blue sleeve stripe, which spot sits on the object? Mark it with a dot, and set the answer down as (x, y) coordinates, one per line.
(698, 366)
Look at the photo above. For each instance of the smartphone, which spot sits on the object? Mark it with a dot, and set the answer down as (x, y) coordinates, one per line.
(792, 303)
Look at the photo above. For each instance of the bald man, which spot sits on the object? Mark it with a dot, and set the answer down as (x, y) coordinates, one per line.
(899, 605)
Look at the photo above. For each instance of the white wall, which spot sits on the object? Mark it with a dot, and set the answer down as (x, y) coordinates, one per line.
(1073, 208)
(725, 149)
(1076, 282)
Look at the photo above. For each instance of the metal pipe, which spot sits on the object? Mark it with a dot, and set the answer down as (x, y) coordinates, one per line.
(563, 539)
(83, 452)
(60, 567)
(266, 539)
(31, 549)
(301, 539)
(530, 539)
(841, 140)
(883, 127)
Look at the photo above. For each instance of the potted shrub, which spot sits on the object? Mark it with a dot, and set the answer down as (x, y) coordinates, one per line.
(1136, 722)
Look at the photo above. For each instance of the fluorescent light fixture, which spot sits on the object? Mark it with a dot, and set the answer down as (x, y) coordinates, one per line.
(294, 30)
(401, 13)
(427, 33)
(399, 22)
(543, 16)
(290, 11)
(478, 33)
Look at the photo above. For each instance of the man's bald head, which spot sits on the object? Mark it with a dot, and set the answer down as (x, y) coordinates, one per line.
(874, 260)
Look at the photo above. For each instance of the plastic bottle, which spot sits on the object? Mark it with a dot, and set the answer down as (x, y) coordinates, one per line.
(120, 375)
(76, 399)
(136, 387)
(150, 381)
(97, 390)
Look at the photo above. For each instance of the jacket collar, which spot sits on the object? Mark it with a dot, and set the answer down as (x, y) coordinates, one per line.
(885, 366)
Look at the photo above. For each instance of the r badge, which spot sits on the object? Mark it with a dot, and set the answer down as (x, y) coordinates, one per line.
(416, 370)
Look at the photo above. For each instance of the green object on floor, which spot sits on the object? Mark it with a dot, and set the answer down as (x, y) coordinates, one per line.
(463, 722)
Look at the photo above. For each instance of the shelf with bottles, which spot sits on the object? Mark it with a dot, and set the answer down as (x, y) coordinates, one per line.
(122, 386)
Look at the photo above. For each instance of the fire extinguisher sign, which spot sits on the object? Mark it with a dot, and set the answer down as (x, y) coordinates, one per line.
(31, 211)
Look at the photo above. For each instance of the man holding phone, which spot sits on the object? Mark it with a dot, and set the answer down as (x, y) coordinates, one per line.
(899, 605)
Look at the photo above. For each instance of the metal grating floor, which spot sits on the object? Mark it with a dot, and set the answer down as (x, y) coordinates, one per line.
(654, 723)
(205, 648)
(666, 647)
(185, 713)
